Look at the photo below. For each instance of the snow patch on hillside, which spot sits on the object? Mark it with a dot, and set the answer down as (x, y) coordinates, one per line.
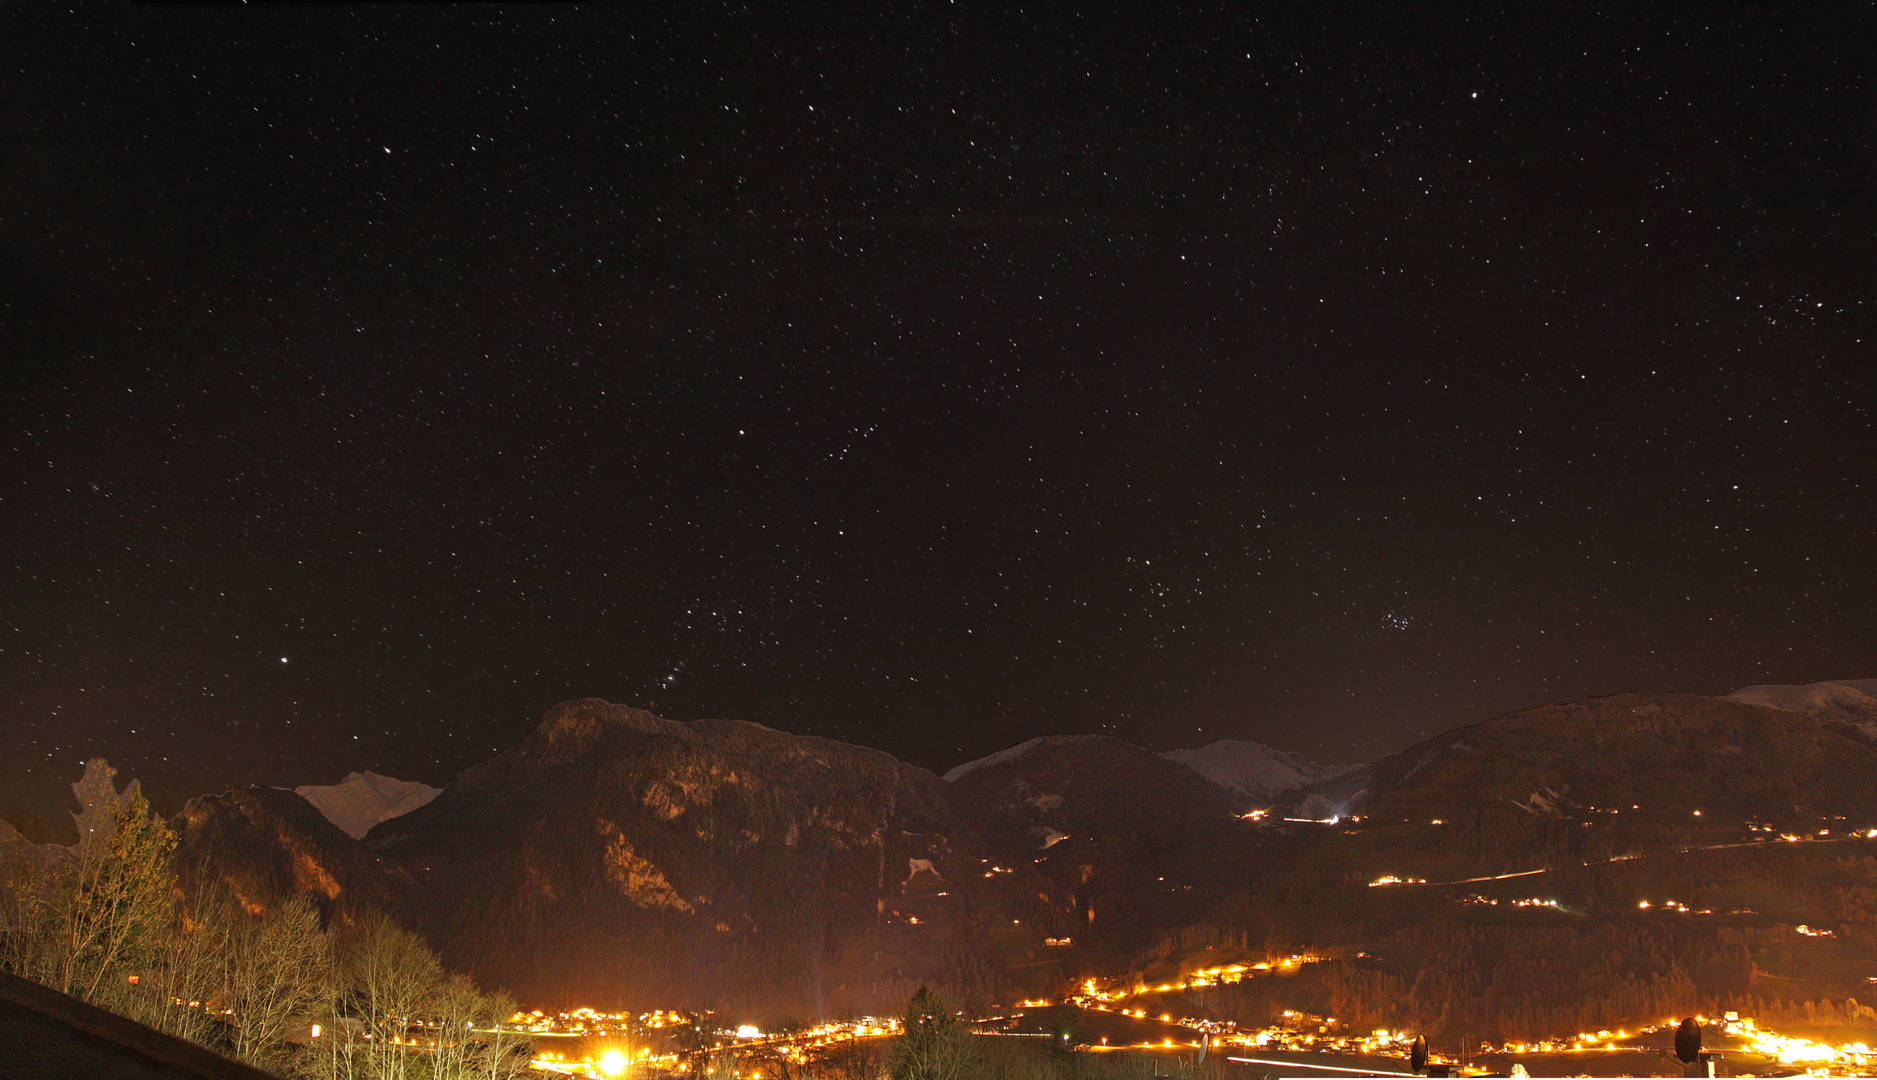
(363, 799)
(1253, 770)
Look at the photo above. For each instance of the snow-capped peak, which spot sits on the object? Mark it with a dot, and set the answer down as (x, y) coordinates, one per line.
(363, 799)
(1843, 697)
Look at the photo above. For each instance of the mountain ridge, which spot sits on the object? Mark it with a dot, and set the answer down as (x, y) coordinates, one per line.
(615, 853)
(614, 856)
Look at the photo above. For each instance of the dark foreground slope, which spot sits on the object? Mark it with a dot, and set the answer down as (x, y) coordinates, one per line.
(46, 1035)
(614, 856)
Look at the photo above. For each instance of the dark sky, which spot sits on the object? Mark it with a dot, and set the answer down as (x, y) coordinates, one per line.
(930, 378)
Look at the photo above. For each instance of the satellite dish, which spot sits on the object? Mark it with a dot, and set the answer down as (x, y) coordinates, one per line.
(1417, 1055)
(1688, 1041)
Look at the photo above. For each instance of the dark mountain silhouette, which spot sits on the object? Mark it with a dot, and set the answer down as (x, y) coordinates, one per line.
(614, 856)
(1025, 798)
(1672, 753)
(1129, 841)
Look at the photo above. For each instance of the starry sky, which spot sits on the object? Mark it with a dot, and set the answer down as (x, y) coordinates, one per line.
(931, 377)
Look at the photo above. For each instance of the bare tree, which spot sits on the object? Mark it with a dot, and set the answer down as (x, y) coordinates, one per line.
(388, 977)
(100, 920)
(694, 1039)
(86, 922)
(105, 921)
(935, 1044)
(402, 1015)
(502, 1052)
(779, 1062)
(855, 1058)
(33, 880)
(183, 977)
(470, 1039)
(451, 1018)
(275, 972)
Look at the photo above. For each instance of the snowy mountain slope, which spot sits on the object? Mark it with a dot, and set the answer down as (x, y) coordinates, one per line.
(1251, 769)
(363, 799)
(1848, 706)
(1835, 699)
(1013, 753)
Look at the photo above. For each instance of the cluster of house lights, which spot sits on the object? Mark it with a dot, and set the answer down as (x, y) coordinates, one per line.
(1297, 1033)
(1094, 996)
(612, 1061)
(1851, 1058)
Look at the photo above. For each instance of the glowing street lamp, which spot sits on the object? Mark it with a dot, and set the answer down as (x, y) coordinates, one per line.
(613, 1063)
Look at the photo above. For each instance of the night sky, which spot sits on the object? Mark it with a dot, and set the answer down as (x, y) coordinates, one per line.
(930, 378)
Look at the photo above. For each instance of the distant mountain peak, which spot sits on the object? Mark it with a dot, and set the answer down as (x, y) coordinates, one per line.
(1845, 698)
(1253, 769)
(363, 799)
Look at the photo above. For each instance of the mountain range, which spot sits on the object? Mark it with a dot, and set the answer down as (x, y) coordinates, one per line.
(615, 857)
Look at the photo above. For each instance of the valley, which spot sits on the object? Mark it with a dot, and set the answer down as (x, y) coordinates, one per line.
(1559, 881)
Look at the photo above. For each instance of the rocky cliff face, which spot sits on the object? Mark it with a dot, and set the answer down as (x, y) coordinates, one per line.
(614, 856)
(264, 843)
